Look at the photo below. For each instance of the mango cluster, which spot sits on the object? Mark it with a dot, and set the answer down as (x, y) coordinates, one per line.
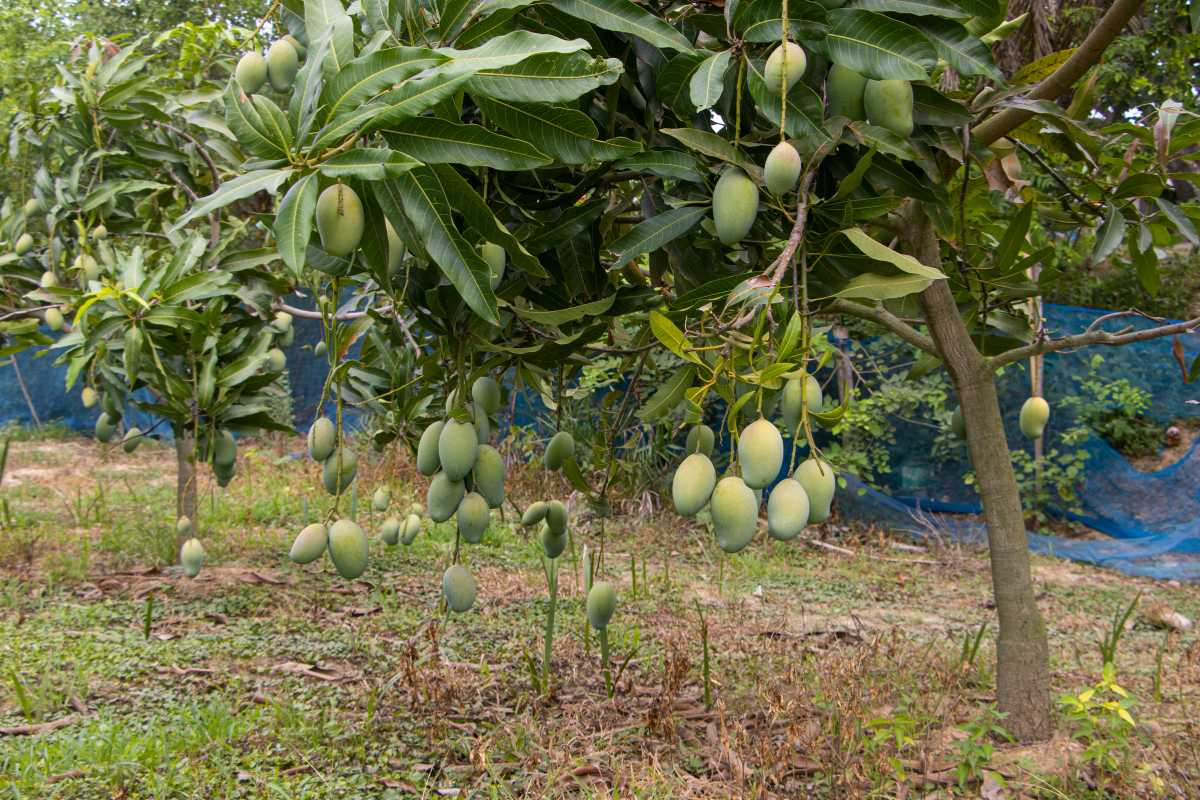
(278, 68)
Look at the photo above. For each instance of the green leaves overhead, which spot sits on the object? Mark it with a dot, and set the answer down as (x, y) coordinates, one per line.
(567, 135)
(368, 164)
(241, 187)
(708, 81)
(408, 100)
(436, 141)
(294, 221)
(368, 76)
(651, 234)
(624, 16)
(546, 78)
(878, 46)
(425, 204)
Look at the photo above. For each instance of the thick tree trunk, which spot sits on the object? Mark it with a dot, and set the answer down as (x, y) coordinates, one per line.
(185, 482)
(1022, 653)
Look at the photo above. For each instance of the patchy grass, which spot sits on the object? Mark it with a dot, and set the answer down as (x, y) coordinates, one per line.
(833, 673)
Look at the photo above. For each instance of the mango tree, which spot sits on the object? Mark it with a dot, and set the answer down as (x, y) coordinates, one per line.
(123, 143)
(537, 183)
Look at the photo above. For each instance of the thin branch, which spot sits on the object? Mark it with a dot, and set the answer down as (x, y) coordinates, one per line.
(1063, 78)
(881, 316)
(1093, 336)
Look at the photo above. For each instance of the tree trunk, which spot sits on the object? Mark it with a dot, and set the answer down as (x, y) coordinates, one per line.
(1022, 653)
(185, 482)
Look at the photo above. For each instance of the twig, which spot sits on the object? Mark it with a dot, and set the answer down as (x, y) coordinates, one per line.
(25, 392)
(40, 727)
(881, 316)
(1090, 337)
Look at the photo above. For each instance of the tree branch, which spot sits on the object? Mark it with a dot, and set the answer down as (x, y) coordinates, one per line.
(1092, 336)
(1063, 78)
(881, 316)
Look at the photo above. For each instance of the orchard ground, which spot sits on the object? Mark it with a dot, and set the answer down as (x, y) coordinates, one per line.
(834, 672)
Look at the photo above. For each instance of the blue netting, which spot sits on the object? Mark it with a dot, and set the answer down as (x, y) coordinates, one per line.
(1153, 517)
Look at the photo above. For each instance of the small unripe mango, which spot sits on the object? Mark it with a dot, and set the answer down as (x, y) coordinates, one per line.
(700, 439)
(24, 244)
(774, 71)
(458, 588)
(535, 513)
(552, 544)
(54, 319)
(282, 65)
(443, 497)
(889, 104)
(556, 517)
(819, 484)
(340, 220)
(601, 604)
(381, 499)
(251, 72)
(395, 251)
(389, 531)
(458, 446)
(782, 169)
(276, 360)
(427, 450)
(561, 447)
(488, 475)
(787, 510)
(473, 517)
(191, 557)
(412, 526)
(485, 392)
(348, 548)
(760, 453)
(322, 438)
(297, 45)
(735, 205)
(224, 449)
(1035, 413)
(734, 510)
(106, 427)
(89, 396)
(798, 393)
(338, 479)
(133, 437)
(844, 93)
(693, 484)
(309, 544)
(496, 258)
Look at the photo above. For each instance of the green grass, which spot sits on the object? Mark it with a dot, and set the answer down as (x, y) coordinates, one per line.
(834, 675)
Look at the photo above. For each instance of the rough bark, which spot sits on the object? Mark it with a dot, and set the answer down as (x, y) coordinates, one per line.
(185, 481)
(1022, 652)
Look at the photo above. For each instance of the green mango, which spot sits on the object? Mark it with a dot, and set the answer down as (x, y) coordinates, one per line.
(89, 396)
(601, 604)
(693, 484)
(54, 319)
(957, 424)
(458, 447)
(552, 544)
(458, 588)
(309, 544)
(412, 526)
(735, 205)
(734, 511)
(23, 245)
(389, 531)
(889, 104)
(760, 453)
(427, 450)
(844, 93)
(774, 70)
(787, 510)
(283, 62)
(224, 450)
(251, 72)
(556, 517)
(183, 527)
(782, 169)
(191, 557)
(1035, 413)
(473, 517)
(496, 258)
(535, 513)
(443, 497)
(322, 438)
(282, 322)
(381, 499)
(340, 220)
(820, 483)
(797, 393)
(395, 251)
(560, 448)
(348, 548)
(297, 45)
(133, 437)
(485, 392)
(276, 360)
(337, 481)
(488, 475)
(700, 439)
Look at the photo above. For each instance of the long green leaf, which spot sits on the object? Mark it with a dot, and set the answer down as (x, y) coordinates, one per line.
(622, 16)
(430, 212)
(762, 20)
(504, 51)
(708, 81)
(365, 77)
(241, 187)
(568, 135)
(368, 164)
(1013, 240)
(878, 46)
(294, 222)
(935, 8)
(546, 78)
(475, 211)
(959, 47)
(651, 234)
(871, 286)
(665, 164)
(408, 100)
(668, 395)
(881, 252)
(561, 316)
(1110, 234)
(329, 15)
(436, 141)
(711, 144)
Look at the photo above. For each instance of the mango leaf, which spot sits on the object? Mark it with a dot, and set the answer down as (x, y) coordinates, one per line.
(568, 135)
(665, 164)
(561, 316)
(708, 81)
(114, 188)
(567, 225)
(936, 8)
(1176, 215)
(881, 252)
(294, 222)
(546, 78)
(504, 51)
(248, 126)
(368, 164)
(671, 337)
(1109, 236)
(959, 48)
(878, 46)
(668, 395)
(651, 234)
(762, 20)
(430, 212)
(373, 73)
(804, 110)
(622, 16)
(408, 100)
(713, 145)
(239, 188)
(871, 286)
(1013, 240)
(436, 141)
(1143, 184)
(674, 83)
(330, 15)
